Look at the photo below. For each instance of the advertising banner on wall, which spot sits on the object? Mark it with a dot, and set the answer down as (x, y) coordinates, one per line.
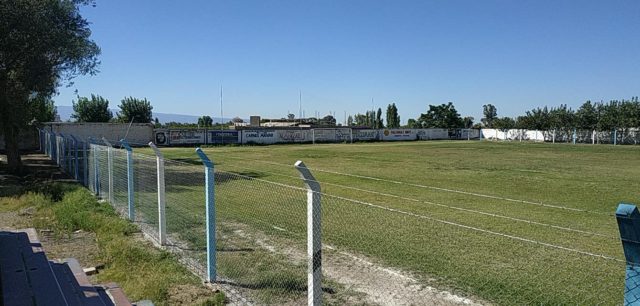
(365, 135)
(223, 137)
(180, 137)
(428, 134)
(343, 135)
(331, 135)
(161, 137)
(293, 135)
(324, 135)
(398, 134)
(259, 136)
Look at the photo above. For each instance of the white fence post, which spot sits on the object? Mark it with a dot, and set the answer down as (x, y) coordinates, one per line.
(131, 210)
(162, 221)
(210, 207)
(109, 168)
(96, 168)
(314, 232)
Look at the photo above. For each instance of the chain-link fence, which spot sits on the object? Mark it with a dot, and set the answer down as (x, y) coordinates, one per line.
(615, 137)
(273, 234)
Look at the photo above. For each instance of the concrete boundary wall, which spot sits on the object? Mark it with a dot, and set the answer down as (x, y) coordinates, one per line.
(136, 133)
(186, 137)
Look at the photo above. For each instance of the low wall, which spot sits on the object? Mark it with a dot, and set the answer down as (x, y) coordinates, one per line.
(185, 137)
(136, 134)
(27, 140)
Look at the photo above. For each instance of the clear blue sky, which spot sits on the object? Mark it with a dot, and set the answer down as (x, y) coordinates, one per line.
(341, 54)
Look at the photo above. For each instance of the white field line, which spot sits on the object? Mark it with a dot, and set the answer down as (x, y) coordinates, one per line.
(440, 188)
(448, 206)
(477, 229)
(444, 221)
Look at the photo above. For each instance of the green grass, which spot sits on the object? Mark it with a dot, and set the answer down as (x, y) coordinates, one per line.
(142, 271)
(430, 232)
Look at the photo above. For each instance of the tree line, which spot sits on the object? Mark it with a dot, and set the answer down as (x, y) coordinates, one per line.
(96, 109)
(619, 115)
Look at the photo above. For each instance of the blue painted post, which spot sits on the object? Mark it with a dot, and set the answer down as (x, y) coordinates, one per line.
(40, 147)
(61, 150)
(628, 219)
(47, 140)
(211, 215)
(53, 146)
(75, 158)
(125, 144)
(575, 136)
(615, 137)
(69, 155)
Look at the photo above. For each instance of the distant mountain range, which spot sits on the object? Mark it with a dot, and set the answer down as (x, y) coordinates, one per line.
(65, 112)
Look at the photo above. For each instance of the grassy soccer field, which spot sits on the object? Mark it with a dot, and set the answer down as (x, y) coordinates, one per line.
(508, 223)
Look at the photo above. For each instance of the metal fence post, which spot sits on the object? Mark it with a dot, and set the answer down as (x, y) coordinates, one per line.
(75, 158)
(132, 213)
(162, 222)
(40, 146)
(314, 232)
(628, 219)
(210, 207)
(85, 160)
(96, 169)
(61, 150)
(68, 158)
(53, 141)
(44, 136)
(109, 168)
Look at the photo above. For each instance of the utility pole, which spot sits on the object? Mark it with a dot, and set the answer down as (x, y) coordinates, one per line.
(221, 116)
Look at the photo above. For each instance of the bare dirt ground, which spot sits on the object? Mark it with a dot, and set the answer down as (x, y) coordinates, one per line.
(364, 281)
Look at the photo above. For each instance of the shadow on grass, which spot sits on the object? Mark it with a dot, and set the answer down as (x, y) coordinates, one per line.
(290, 285)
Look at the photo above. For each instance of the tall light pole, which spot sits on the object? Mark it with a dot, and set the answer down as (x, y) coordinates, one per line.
(221, 116)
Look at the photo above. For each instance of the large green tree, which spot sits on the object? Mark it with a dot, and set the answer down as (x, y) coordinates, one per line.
(468, 122)
(136, 110)
(504, 123)
(587, 116)
(490, 114)
(94, 109)
(393, 119)
(378, 122)
(441, 116)
(205, 121)
(43, 43)
(42, 109)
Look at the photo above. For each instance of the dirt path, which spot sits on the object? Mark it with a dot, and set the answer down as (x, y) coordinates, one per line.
(373, 283)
